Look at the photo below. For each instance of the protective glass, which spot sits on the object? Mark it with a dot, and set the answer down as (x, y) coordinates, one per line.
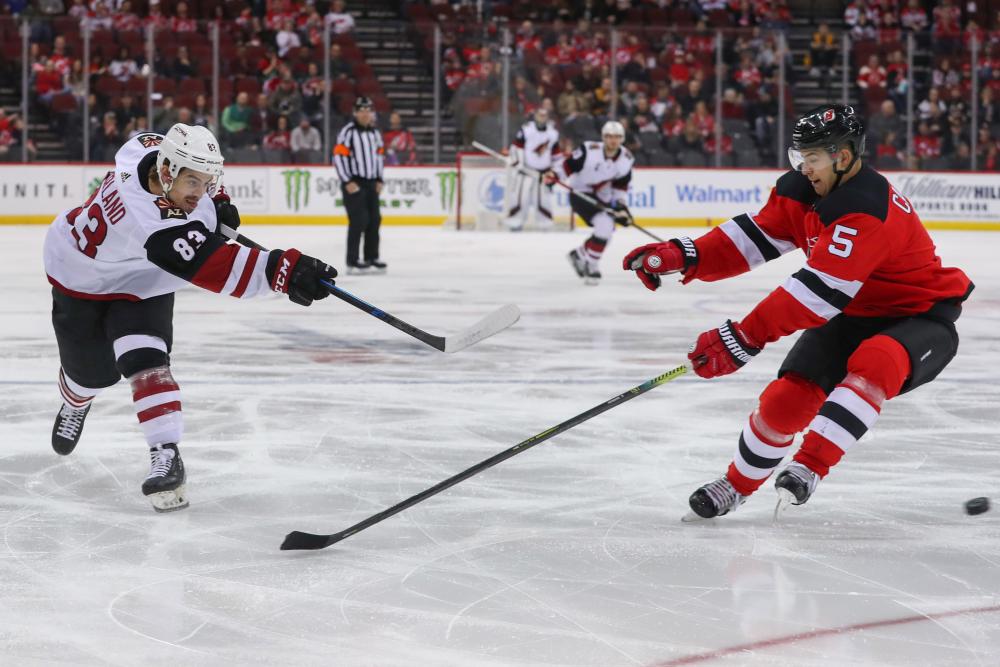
(812, 158)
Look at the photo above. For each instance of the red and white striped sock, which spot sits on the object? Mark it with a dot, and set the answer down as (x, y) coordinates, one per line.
(75, 395)
(846, 416)
(592, 249)
(759, 452)
(157, 400)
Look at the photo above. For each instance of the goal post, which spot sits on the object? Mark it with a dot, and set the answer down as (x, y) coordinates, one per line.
(484, 197)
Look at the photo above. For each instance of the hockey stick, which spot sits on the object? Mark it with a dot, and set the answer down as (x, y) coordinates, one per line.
(593, 201)
(299, 540)
(492, 324)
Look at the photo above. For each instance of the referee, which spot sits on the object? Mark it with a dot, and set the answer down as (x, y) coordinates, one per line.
(359, 158)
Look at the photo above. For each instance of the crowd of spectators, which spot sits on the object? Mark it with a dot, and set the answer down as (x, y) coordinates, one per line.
(271, 59)
(666, 78)
(943, 34)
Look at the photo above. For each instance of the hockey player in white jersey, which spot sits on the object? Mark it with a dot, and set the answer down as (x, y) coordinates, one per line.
(602, 170)
(115, 262)
(534, 151)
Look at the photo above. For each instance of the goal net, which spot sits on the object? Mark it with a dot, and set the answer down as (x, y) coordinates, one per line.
(486, 193)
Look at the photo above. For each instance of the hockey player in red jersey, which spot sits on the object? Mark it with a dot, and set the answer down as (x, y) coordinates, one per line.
(114, 263)
(877, 307)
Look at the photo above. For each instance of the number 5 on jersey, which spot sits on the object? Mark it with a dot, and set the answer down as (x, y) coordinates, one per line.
(841, 245)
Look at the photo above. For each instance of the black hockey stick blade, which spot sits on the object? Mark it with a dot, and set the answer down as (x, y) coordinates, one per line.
(297, 540)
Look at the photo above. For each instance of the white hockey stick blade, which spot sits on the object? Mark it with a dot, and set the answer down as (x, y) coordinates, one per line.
(492, 324)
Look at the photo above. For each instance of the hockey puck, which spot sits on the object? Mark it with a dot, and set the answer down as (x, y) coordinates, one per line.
(977, 506)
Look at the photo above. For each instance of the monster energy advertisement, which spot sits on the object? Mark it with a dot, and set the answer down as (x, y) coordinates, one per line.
(406, 192)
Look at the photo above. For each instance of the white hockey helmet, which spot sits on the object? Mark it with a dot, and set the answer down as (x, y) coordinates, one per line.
(613, 129)
(191, 146)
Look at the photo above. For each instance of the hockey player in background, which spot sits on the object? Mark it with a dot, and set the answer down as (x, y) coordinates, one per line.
(114, 263)
(602, 170)
(877, 306)
(535, 148)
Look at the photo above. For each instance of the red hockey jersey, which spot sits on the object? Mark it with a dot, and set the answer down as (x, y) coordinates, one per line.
(868, 255)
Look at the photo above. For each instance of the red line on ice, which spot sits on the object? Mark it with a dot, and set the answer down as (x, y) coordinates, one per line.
(814, 634)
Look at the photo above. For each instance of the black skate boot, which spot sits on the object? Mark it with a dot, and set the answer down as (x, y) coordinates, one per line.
(359, 268)
(378, 266)
(712, 500)
(67, 429)
(593, 276)
(578, 262)
(795, 485)
(165, 484)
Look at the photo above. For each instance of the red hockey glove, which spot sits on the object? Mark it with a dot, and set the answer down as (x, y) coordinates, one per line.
(655, 259)
(722, 351)
(549, 177)
(299, 276)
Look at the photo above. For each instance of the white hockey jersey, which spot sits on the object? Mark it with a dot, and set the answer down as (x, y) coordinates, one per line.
(537, 148)
(588, 170)
(127, 243)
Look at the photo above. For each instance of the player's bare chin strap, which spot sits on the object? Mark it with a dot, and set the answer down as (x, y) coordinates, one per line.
(840, 172)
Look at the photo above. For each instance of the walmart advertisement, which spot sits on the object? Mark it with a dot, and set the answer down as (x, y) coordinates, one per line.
(430, 195)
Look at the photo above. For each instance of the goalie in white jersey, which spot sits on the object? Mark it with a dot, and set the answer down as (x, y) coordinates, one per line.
(534, 151)
(115, 262)
(602, 172)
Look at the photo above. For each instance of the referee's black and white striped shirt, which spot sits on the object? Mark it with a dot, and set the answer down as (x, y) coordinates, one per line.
(359, 153)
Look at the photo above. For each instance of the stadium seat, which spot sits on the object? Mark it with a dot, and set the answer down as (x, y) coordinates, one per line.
(64, 103)
(690, 158)
(268, 156)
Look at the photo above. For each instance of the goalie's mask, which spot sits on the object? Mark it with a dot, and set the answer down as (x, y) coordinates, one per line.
(191, 146)
(827, 128)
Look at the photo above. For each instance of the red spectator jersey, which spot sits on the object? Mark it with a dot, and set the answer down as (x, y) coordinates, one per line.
(868, 255)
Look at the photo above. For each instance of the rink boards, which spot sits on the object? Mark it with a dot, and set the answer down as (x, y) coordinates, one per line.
(427, 195)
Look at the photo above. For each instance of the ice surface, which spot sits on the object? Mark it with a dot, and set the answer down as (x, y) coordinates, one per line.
(570, 554)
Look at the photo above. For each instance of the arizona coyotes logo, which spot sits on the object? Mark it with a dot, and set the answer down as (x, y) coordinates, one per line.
(168, 211)
(541, 148)
(150, 140)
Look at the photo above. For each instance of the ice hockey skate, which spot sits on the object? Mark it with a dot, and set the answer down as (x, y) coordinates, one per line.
(795, 485)
(713, 500)
(578, 262)
(359, 269)
(378, 267)
(164, 486)
(68, 428)
(593, 275)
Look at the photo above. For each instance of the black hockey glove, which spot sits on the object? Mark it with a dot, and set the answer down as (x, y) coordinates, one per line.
(225, 211)
(621, 214)
(299, 276)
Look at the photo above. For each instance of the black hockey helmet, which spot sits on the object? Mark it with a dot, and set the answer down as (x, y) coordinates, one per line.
(830, 127)
(363, 102)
